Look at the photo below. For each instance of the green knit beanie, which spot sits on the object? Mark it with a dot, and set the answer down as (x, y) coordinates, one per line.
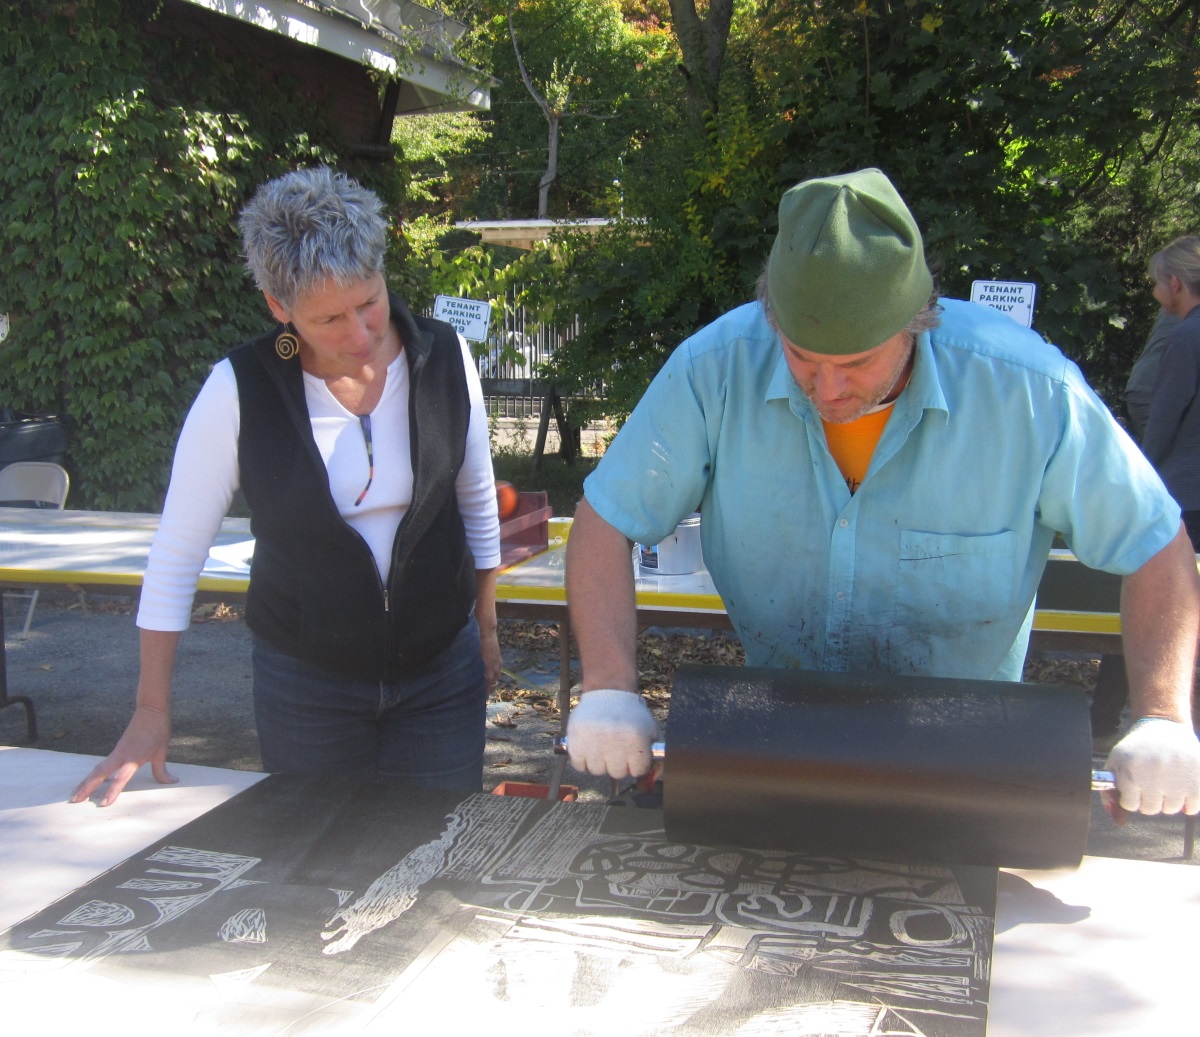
(847, 271)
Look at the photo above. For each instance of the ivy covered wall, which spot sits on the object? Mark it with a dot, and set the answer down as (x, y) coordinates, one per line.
(126, 156)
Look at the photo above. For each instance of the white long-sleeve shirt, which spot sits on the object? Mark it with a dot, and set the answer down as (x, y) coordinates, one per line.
(205, 477)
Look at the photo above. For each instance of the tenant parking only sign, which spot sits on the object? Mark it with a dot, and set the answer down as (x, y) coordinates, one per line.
(470, 316)
(1012, 297)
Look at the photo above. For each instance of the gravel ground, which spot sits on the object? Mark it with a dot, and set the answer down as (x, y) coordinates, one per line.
(79, 666)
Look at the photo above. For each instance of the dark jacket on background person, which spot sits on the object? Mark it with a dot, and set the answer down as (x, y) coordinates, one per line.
(1139, 390)
(1172, 438)
(315, 590)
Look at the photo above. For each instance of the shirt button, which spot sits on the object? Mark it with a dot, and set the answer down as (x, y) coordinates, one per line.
(841, 595)
(843, 523)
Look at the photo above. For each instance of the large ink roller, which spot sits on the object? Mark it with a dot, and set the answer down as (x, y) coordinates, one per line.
(876, 766)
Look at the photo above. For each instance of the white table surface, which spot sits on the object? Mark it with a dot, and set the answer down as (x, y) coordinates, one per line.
(1108, 949)
(108, 548)
(49, 847)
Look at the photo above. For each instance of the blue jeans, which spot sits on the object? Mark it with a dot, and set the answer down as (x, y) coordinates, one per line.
(426, 727)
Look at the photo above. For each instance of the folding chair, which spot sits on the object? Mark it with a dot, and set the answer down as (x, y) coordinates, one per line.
(35, 484)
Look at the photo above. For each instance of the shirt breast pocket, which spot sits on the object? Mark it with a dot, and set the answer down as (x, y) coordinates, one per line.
(951, 578)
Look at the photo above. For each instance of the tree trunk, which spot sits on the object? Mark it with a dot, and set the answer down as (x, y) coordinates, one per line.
(702, 43)
(551, 173)
(553, 117)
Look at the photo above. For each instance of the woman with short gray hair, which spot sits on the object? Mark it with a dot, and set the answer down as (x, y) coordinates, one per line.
(357, 433)
(309, 226)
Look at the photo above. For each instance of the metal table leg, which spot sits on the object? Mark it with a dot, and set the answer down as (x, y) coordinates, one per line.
(559, 763)
(21, 700)
(564, 673)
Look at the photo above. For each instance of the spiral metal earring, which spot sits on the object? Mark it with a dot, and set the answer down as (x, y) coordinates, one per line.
(287, 345)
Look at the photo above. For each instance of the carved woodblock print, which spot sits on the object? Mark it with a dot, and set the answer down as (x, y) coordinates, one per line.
(304, 907)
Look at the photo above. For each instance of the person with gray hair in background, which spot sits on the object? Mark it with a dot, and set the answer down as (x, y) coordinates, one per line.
(358, 435)
(881, 475)
(1172, 437)
(1139, 388)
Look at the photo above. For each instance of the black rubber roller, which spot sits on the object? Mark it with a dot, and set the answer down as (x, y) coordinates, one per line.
(874, 766)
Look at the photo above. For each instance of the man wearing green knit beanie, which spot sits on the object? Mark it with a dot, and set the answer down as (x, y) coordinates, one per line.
(841, 238)
(880, 476)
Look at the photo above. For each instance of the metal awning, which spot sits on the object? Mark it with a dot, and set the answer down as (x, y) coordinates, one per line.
(403, 39)
(523, 233)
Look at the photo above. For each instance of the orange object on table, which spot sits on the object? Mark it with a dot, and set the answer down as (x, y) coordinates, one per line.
(507, 499)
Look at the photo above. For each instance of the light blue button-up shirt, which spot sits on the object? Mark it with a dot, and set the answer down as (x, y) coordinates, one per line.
(932, 566)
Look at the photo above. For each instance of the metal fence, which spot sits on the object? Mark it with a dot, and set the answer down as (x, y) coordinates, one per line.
(510, 361)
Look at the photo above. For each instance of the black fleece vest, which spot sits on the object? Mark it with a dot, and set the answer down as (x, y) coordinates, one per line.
(315, 591)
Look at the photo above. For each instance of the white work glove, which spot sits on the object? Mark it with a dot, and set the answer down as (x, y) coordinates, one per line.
(610, 732)
(1157, 767)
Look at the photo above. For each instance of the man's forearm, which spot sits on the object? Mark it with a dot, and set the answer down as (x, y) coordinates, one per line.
(1160, 623)
(600, 593)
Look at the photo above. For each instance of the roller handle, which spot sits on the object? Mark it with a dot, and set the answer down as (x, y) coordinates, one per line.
(658, 750)
(1102, 781)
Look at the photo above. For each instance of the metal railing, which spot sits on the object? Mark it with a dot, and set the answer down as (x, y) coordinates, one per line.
(511, 359)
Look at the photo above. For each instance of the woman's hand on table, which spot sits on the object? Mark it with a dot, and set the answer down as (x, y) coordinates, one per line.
(145, 741)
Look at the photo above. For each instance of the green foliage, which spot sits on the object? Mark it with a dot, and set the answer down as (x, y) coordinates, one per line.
(632, 312)
(1027, 137)
(1035, 141)
(126, 159)
(1032, 139)
(429, 144)
(613, 68)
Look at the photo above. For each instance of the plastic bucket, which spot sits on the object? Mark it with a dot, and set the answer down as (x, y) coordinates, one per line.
(677, 555)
